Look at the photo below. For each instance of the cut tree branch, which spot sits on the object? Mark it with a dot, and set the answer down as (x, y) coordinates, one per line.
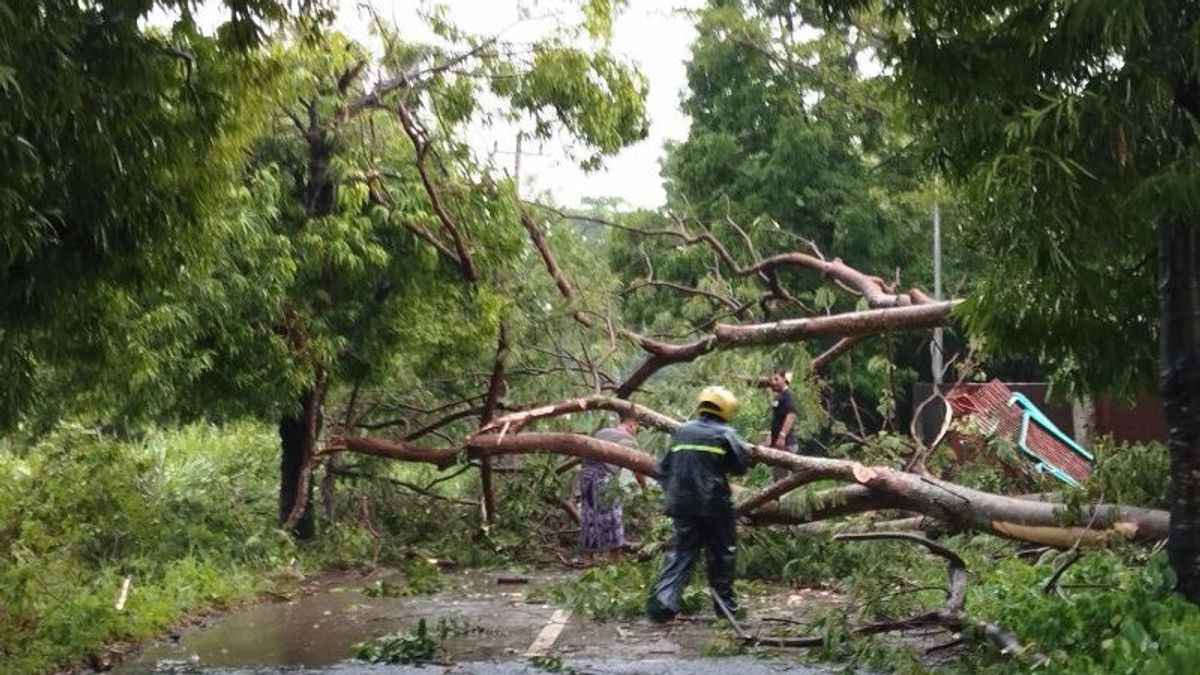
(543, 248)
(952, 614)
(421, 146)
(439, 457)
(728, 336)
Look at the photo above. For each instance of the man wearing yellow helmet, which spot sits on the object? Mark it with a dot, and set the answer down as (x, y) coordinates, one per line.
(703, 451)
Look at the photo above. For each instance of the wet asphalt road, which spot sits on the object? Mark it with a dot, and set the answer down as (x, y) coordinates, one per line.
(316, 633)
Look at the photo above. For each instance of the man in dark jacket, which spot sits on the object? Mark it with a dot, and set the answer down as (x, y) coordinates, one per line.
(783, 418)
(703, 451)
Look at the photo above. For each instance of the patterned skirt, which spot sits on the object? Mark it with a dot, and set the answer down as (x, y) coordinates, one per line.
(602, 520)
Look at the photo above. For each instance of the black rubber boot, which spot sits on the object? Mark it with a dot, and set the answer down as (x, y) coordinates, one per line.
(720, 552)
(667, 597)
(658, 612)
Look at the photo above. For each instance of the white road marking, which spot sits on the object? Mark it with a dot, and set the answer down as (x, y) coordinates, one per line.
(545, 639)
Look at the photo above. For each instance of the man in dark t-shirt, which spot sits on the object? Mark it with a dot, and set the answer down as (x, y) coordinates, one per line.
(783, 419)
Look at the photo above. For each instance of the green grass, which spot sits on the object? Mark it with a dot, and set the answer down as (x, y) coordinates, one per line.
(186, 515)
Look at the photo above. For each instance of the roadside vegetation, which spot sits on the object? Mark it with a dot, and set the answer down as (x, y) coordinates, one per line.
(187, 516)
(268, 310)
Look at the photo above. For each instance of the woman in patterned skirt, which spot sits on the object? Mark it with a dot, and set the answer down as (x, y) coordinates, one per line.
(601, 516)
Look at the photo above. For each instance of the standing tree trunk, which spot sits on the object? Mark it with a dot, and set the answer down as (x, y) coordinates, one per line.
(298, 433)
(291, 467)
(298, 439)
(496, 390)
(1179, 359)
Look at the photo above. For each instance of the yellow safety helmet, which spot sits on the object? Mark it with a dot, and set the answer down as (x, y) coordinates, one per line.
(718, 401)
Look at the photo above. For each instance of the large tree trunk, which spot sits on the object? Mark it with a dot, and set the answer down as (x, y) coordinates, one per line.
(1179, 359)
(876, 487)
(291, 467)
(298, 437)
(298, 432)
(1027, 518)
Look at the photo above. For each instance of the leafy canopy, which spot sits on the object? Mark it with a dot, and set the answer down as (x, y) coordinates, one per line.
(1072, 127)
(117, 147)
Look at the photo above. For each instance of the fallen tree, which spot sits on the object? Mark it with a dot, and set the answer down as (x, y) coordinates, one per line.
(874, 487)
(877, 487)
(869, 488)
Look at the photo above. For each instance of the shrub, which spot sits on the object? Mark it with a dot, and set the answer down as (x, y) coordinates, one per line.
(187, 515)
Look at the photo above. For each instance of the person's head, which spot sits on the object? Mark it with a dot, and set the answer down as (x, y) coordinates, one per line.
(629, 423)
(718, 402)
(780, 378)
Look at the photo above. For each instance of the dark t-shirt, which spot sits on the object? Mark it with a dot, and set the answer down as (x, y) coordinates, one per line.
(783, 404)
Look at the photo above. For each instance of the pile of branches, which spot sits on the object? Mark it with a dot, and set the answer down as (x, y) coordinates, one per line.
(908, 489)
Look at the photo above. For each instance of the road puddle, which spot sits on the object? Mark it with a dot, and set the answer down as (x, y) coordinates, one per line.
(490, 623)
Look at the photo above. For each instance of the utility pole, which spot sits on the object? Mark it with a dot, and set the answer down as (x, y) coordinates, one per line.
(936, 346)
(517, 166)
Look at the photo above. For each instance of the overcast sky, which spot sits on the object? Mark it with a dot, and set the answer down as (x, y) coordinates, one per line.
(654, 34)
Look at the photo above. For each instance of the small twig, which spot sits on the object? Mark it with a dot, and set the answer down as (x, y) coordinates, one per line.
(461, 470)
(404, 484)
(862, 429)
(1052, 582)
(945, 645)
(935, 548)
(944, 489)
(811, 641)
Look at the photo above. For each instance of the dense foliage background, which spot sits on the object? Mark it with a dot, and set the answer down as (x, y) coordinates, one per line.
(223, 247)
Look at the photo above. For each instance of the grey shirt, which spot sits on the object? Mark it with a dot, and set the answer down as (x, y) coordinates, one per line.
(612, 435)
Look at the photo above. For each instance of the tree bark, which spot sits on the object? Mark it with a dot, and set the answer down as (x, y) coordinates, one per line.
(296, 465)
(495, 384)
(873, 487)
(1179, 360)
(293, 467)
(379, 447)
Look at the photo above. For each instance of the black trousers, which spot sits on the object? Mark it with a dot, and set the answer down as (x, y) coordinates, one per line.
(718, 537)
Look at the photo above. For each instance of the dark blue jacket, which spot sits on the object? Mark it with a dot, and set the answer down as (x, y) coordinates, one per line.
(703, 451)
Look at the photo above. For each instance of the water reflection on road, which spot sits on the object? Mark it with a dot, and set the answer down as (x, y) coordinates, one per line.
(315, 634)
